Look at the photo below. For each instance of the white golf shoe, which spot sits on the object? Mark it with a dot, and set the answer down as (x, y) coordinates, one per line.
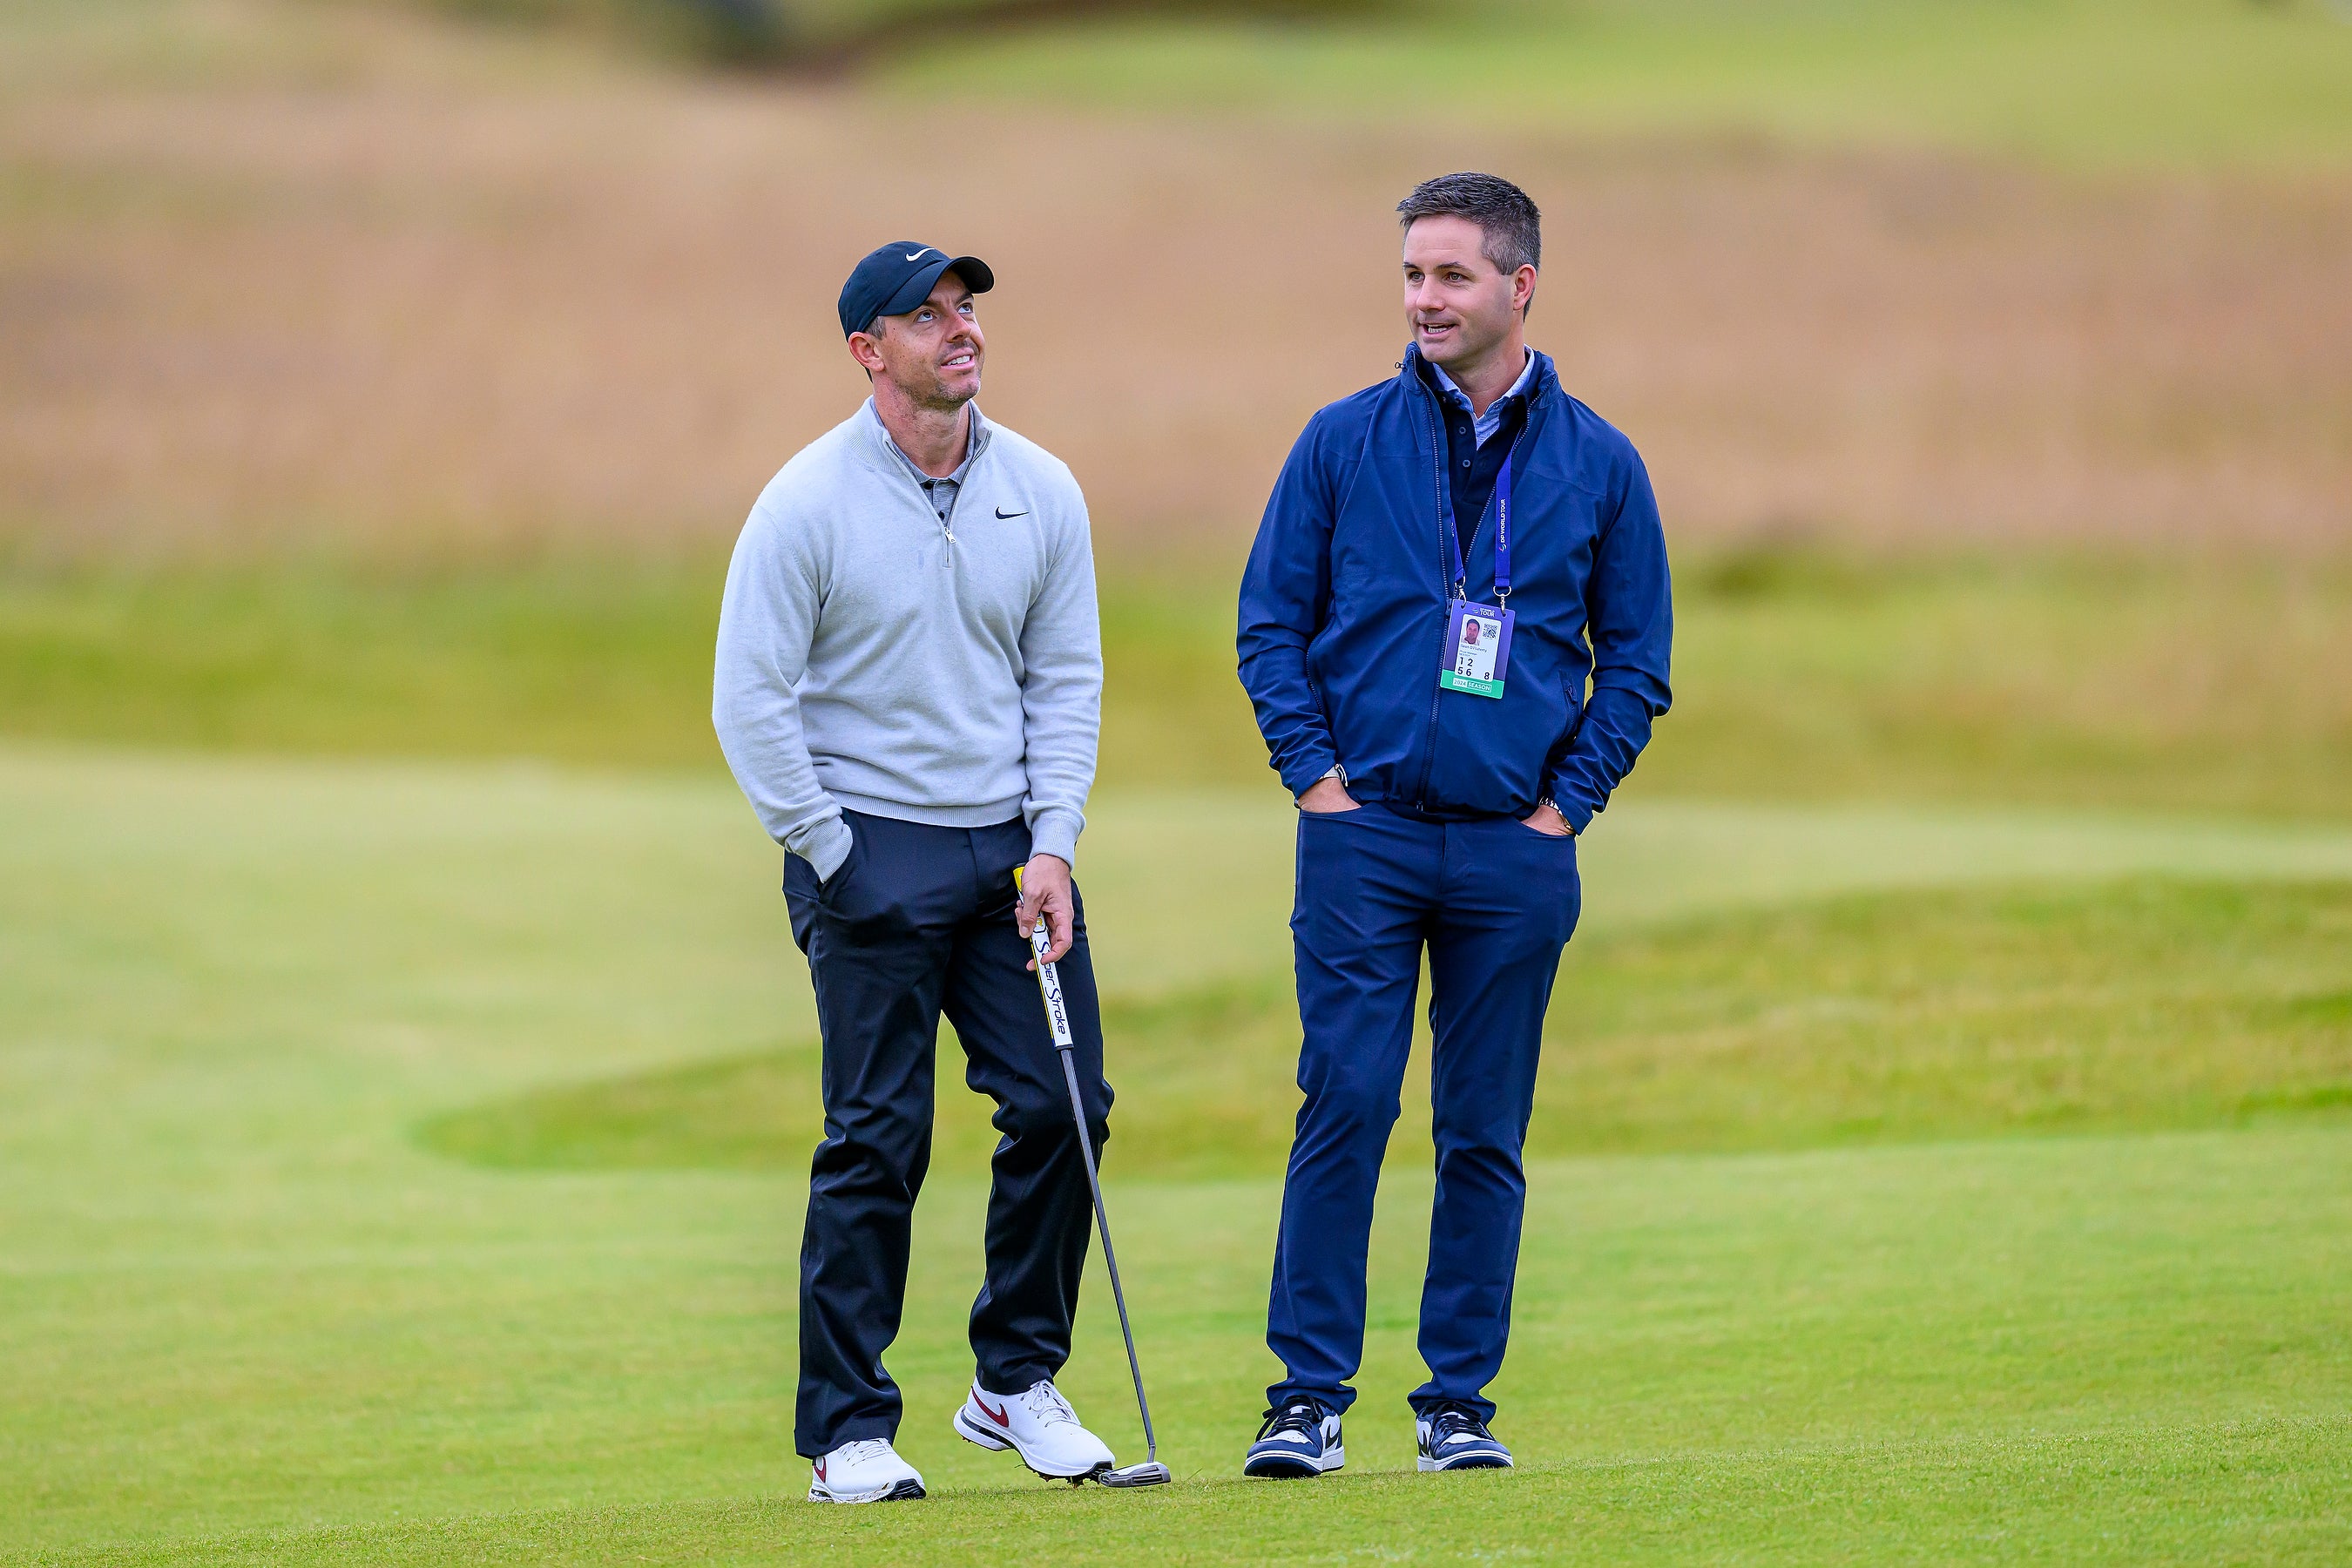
(1036, 1424)
(868, 1470)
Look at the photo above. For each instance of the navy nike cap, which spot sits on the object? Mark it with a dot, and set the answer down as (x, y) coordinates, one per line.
(896, 279)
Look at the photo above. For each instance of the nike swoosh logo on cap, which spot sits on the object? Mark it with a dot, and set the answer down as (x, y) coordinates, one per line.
(917, 256)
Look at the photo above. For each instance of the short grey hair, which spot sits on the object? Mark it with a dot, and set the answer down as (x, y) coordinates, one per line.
(1512, 228)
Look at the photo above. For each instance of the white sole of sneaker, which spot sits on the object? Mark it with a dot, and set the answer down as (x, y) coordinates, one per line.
(971, 1431)
(897, 1492)
(1465, 1462)
(1295, 1467)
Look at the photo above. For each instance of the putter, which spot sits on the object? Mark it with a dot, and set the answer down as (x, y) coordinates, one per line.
(1152, 1472)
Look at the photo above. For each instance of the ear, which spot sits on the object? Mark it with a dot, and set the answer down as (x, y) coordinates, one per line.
(865, 351)
(1523, 289)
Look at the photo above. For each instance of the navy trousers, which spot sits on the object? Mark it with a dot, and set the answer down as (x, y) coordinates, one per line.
(918, 921)
(1493, 902)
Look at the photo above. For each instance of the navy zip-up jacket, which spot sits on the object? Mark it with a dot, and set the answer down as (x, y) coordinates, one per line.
(1344, 609)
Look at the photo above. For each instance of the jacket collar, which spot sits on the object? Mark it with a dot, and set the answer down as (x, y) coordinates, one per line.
(885, 451)
(1539, 385)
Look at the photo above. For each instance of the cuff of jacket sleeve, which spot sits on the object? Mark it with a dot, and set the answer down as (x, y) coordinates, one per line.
(825, 847)
(1308, 771)
(1054, 831)
(1578, 814)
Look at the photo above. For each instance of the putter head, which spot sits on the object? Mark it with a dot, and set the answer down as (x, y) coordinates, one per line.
(1150, 1473)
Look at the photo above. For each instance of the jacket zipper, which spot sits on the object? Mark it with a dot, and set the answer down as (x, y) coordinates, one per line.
(1439, 457)
(946, 519)
(945, 522)
(1438, 444)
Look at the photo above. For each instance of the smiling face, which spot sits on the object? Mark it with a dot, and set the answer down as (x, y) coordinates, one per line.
(1460, 305)
(932, 353)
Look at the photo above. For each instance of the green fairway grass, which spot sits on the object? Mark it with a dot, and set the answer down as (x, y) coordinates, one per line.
(2147, 1003)
(2236, 1493)
(1800, 675)
(2109, 83)
(239, 1296)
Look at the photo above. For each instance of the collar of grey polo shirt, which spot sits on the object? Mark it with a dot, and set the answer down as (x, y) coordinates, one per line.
(941, 493)
(1492, 420)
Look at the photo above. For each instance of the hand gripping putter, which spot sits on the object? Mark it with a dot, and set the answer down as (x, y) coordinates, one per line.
(1152, 1472)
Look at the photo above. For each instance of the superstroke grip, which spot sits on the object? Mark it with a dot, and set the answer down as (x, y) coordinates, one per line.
(1049, 984)
(1049, 981)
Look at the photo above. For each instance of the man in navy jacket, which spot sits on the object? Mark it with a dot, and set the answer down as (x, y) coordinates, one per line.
(1455, 627)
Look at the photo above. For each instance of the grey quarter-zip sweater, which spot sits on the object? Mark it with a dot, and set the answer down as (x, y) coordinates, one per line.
(938, 666)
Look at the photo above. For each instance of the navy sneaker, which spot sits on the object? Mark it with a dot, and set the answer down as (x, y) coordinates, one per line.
(1453, 1438)
(1301, 1438)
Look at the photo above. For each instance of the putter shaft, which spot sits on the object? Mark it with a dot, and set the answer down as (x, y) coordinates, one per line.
(1057, 1019)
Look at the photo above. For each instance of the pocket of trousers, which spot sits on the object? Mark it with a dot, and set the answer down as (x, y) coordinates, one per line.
(830, 888)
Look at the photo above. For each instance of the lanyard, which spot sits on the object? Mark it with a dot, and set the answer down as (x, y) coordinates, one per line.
(1502, 535)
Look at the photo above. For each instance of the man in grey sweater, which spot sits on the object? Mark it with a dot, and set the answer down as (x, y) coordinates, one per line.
(908, 690)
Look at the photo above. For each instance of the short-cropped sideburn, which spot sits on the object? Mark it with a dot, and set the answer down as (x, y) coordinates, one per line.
(1508, 220)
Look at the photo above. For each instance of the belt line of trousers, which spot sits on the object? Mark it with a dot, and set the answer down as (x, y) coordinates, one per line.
(1493, 902)
(916, 921)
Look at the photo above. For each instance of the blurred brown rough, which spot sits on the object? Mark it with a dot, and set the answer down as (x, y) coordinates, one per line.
(463, 316)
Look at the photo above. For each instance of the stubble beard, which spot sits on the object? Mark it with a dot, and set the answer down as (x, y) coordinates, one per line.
(938, 397)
